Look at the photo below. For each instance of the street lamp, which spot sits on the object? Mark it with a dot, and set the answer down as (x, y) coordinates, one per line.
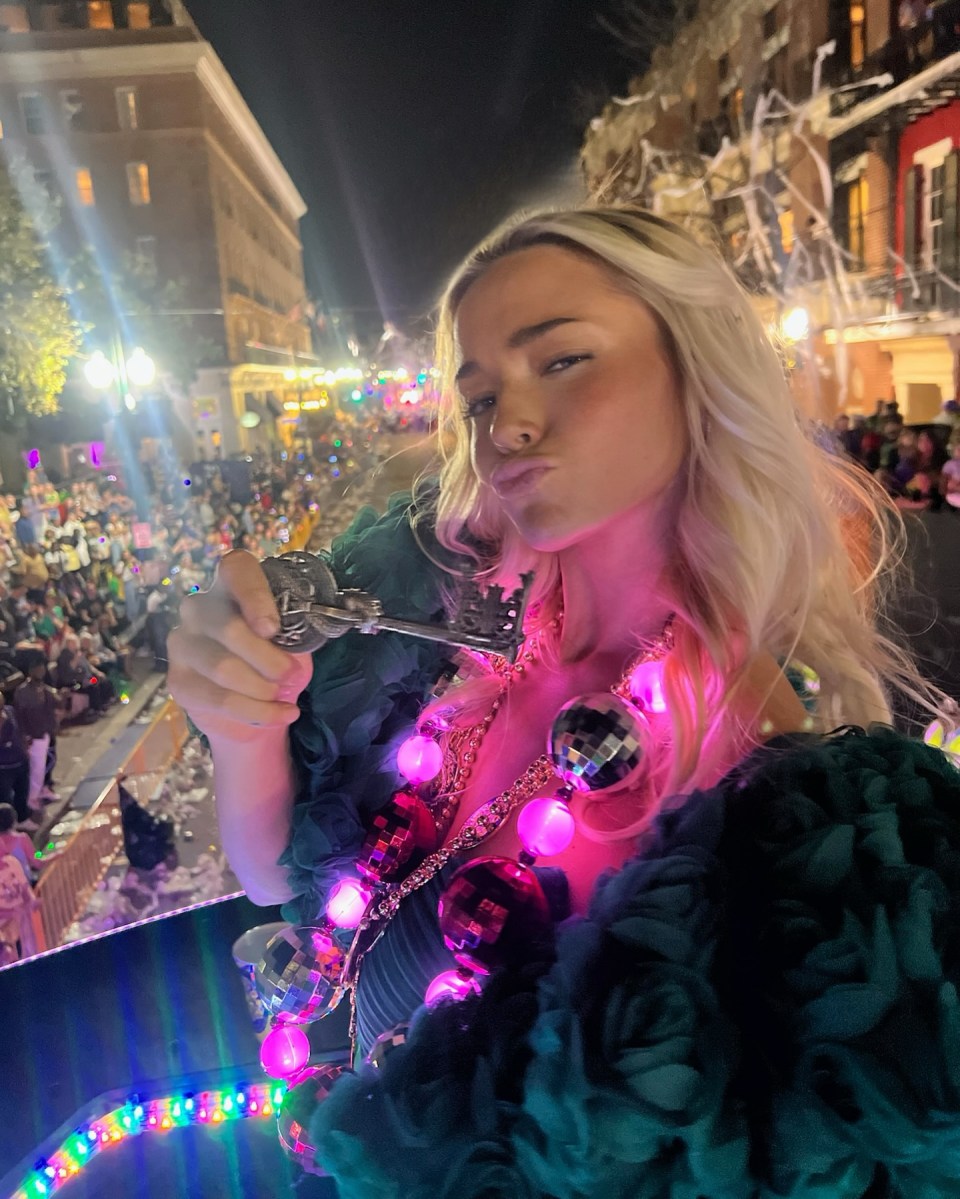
(139, 369)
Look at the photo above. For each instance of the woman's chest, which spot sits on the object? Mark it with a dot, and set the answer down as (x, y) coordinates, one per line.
(516, 738)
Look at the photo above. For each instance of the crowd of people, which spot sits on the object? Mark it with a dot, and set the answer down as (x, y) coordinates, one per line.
(87, 581)
(920, 468)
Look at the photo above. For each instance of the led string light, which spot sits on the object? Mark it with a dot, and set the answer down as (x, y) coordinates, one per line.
(136, 1116)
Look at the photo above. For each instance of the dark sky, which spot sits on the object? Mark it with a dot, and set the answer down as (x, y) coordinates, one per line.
(412, 126)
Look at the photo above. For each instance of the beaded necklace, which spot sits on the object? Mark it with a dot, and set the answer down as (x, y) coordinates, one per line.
(460, 756)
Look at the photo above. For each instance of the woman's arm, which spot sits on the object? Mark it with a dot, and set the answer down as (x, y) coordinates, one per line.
(254, 791)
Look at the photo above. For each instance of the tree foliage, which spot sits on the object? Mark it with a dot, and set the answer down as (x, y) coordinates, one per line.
(38, 335)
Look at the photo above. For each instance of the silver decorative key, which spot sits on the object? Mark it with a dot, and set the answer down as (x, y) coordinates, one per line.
(313, 608)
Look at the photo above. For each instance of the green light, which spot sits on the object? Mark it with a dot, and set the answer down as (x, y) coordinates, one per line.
(338, 443)
(278, 1095)
(228, 1104)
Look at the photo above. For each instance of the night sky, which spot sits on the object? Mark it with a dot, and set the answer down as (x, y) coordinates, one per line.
(412, 126)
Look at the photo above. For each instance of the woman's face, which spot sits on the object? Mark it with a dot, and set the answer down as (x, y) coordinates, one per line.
(573, 404)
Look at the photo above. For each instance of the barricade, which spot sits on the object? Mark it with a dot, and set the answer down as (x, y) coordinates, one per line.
(68, 882)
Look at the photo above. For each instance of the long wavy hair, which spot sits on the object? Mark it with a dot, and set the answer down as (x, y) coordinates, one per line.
(781, 545)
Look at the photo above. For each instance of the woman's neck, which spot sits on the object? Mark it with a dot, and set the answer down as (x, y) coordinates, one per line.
(614, 586)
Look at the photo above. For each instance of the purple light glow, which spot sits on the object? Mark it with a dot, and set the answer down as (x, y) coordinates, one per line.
(347, 902)
(545, 827)
(419, 759)
(646, 686)
(285, 1051)
(451, 984)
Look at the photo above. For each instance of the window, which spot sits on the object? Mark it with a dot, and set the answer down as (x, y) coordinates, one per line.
(31, 105)
(146, 251)
(770, 23)
(935, 219)
(71, 105)
(85, 187)
(99, 14)
(785, 220)
(127, 114)
(858, 18)
(138, 183)
(857, 204)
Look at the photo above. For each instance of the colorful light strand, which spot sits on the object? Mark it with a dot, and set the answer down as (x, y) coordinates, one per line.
(137, 1116)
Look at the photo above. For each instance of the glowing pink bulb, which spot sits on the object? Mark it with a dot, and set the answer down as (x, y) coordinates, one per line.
(347, 902)
(545, 827)
(451, 984)
(646, 686)
(284, 1051)
(419, 759)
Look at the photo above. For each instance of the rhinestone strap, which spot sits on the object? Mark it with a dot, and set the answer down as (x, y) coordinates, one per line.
(482, 824)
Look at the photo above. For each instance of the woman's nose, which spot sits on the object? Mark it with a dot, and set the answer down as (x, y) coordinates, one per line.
(518, 421)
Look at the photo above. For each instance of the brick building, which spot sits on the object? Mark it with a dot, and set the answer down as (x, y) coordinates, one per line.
(129, 117)
(815, 141)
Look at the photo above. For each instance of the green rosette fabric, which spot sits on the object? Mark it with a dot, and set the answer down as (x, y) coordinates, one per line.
(762, 1004)
(365, 694)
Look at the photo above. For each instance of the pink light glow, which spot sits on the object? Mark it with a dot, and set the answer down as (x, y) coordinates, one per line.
(545, 827)
(347, 902)
(646, 686)
(451, 984)
(284, 1051)
(419, 759)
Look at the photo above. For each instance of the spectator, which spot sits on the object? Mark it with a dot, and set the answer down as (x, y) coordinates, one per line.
(15, 841)
(17, 903)
(35, 705)
(74, 673)
(35, 573)
(950, 477)
(14, 767)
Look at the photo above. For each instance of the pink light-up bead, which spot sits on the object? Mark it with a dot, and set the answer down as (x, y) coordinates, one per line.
(284, 1051)
(347, 902)
(545, 827)
(646, 686)
(451, 984)
(419, 759)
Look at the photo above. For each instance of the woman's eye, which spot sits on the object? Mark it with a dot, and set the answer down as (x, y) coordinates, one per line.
(477, 406)
(568, 360)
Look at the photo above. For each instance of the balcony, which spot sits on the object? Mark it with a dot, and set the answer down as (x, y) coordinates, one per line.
(905, 56)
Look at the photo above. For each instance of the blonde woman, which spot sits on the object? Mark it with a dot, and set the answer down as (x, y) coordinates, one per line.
(750, 984)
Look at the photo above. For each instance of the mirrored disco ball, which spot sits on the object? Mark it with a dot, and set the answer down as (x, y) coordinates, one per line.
(299, 976)
(598, 742)
(387, 1042)
(309, 1089)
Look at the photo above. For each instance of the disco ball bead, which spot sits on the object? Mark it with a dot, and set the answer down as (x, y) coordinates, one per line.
(387, 1042)
(945, 737)
(299, 976)
(805, 681)
(399, 831)
(313, 1085)
(492, 913)
(598, 742)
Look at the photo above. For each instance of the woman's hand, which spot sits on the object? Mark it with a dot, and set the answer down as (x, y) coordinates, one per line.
(224, 670)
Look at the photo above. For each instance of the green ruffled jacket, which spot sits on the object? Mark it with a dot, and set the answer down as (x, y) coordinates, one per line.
(761, 1004)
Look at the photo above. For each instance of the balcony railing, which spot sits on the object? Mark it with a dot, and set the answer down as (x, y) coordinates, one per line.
(901, 57)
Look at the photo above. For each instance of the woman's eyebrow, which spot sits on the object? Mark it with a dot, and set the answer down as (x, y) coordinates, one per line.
(520, 338)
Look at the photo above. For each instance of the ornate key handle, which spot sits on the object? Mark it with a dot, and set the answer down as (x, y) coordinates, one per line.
(313, 608)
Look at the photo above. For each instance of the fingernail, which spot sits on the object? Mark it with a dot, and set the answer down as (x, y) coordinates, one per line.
(288, 694)
(265, 626)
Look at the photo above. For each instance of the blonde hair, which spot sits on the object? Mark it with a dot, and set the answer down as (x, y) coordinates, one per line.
(781, 545)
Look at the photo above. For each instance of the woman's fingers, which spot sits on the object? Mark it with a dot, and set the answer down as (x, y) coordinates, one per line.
(207, 658)
(240, 575)
(203, 697)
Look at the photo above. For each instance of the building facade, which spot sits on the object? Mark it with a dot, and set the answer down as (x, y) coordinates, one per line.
(129, 118)
(815, 142)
